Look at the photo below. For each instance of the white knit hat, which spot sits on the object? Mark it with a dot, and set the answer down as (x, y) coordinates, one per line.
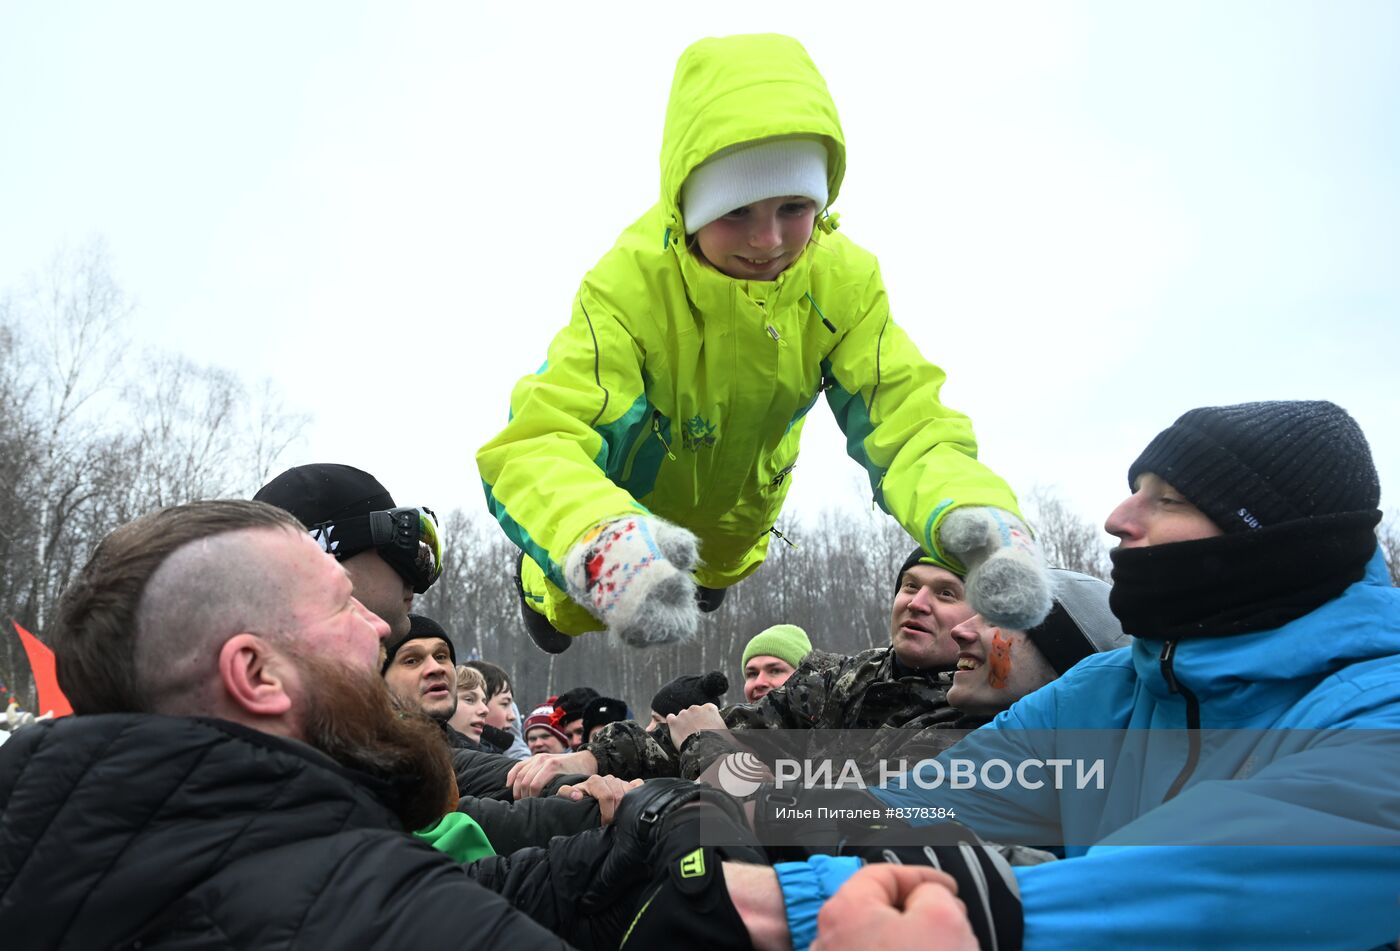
(753, 172)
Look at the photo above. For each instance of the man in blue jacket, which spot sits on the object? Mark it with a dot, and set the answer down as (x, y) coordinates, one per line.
(1251, 729)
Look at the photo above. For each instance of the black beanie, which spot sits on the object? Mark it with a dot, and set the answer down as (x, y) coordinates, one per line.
(419, 627)
(1259, 464)
(916, 557)
(328, 492)
(602, 710)
(690, 690)
(574, 702)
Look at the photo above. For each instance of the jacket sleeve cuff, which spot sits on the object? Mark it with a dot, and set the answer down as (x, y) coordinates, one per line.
(806, 887)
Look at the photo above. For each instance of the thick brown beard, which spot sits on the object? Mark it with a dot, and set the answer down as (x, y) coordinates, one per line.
(350, 716)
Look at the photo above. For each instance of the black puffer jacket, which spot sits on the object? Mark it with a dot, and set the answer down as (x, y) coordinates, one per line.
(176, 832)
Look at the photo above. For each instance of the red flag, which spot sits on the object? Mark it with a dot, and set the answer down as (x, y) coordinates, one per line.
(45, 676)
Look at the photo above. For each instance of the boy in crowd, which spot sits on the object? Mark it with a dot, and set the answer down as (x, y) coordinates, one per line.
(501, 712)
(770, 658)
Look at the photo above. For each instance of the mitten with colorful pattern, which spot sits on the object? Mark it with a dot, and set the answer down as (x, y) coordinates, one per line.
(633, 574)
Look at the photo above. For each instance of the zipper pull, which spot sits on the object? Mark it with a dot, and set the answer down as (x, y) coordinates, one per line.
(778, 479)
(656, 431)
(1168, 649)
(772, 333)
(781, 537)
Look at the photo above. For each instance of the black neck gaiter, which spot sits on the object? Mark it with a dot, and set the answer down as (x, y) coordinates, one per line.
(1241, 582)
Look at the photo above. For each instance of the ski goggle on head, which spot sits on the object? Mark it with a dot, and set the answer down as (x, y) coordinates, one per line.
(408, 538)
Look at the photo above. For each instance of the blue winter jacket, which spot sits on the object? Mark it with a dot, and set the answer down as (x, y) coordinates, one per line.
(1336, 669)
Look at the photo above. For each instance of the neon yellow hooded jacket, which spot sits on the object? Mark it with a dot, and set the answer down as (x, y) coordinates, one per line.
(680, 391)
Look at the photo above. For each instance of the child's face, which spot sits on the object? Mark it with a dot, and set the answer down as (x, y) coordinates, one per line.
(757, 242)
(471, 712)
(499, 711)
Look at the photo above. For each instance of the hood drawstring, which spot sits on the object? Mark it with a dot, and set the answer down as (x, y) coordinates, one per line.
(782, 538)
(829, 325)
(829, 222)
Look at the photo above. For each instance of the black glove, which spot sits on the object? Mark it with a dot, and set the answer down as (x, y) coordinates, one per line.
(658, 831)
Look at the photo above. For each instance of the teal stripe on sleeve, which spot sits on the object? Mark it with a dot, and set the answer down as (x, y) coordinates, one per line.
(854, 419)
(522, 538)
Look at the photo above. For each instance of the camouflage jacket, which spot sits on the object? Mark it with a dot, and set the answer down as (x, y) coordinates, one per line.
(827, 692)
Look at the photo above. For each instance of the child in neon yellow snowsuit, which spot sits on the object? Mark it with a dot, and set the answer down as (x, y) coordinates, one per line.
(654, 448)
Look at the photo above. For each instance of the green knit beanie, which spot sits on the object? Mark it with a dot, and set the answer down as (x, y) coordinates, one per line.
(784, 641)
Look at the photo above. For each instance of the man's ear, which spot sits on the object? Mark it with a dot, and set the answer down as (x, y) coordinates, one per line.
(253, 674)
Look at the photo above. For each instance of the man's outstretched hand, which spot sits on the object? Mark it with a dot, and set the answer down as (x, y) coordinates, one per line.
(692, 720)
(530, 776)
(895, 907)
(608, 790)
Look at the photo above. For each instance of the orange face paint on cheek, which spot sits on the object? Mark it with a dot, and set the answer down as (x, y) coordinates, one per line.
(999, 663)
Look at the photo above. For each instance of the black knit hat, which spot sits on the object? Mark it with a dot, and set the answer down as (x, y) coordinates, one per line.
(1258, 464)
(328, 492)
(419, 627)
(601, 710)
(916, 557)
(689, 690)
(574, 702)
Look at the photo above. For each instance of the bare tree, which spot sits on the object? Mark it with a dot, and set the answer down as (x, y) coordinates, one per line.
(80, 313)
(1388, 534)
(272, 429)
(199, 434)
(1067, 539)
(82, 450)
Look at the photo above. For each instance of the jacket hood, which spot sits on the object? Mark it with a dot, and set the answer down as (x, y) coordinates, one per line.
(1245, 675)
(735, 89)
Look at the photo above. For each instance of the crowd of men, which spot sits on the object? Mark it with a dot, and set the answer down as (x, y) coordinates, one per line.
(270, 748)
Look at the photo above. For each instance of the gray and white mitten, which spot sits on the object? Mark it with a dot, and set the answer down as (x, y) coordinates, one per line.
(633, 574)
(1006, 578)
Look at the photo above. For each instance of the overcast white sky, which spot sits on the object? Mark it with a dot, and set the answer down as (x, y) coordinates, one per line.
(1094, 216)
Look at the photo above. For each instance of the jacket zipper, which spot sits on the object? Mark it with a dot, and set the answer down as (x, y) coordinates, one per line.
(636, 449)
(1193, 720)
(778, 479)
(656, 431)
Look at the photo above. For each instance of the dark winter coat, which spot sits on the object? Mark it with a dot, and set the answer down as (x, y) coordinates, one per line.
(164, 831)
(510, 825)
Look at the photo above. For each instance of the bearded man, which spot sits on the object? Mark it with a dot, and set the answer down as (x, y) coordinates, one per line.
(236, 775)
